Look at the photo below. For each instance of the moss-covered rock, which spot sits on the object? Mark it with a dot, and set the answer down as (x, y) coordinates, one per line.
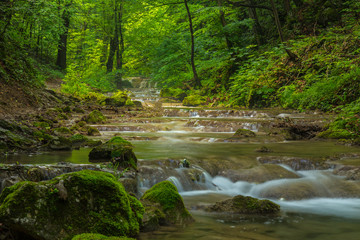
(71, 204)
(245, 205)
(92, 131)
(60, 143)
(63, 131)
(243, 133)
(164, 205)
(94, 117)
(117, 150)
(194, 100)
(14, 136)
(95, 236)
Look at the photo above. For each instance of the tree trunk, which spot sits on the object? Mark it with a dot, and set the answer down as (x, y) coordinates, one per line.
(114, 42)
(62, 45)
(287, 6)
(258, 32)
(196, 77)
(223, 23)
(278, 26)
(121, 48)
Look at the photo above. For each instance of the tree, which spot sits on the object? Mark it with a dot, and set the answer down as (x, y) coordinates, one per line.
(62, 46)
(196, 77)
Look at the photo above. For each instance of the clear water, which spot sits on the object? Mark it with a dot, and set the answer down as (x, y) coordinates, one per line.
(320, 219)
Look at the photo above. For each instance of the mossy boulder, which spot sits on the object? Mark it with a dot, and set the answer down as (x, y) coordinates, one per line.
(194, 100)
(95, 236)
(119, 99)
(243, 133)
(117, 150)
(79, 140)
(71, 204)
(63, 131)
(245, 205)
(16, 136)
(60, 144)
(164, 205)
(95, 117)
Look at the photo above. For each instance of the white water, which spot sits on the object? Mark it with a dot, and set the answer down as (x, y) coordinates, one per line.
(340, 207)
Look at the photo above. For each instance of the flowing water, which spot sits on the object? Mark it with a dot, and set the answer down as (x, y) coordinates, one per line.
(315, 203)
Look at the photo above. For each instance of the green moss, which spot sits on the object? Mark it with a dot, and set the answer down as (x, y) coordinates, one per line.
(62, 131)
(245, 205)
(116, 149)
(78, 138)
(241, 133)
(43, 125)
(336, 134)
(194, 100)
(119, 140)
(166, 194)
(94, 236)
(92, 131)
(95, 117)
(129, 103)
(85, 201)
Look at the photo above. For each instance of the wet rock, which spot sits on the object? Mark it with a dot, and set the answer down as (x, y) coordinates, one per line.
(60, 144)
(14, 136)
(94, 202)
(258, 174)
(350, 172)
(164, 205)
(297, 129)
(292, 191)
(295, 163)
(94, 117)
(264, 149)
(117, 150)
(63, 131)
(245, 205)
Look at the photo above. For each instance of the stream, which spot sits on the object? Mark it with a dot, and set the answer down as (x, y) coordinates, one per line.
(315, 203)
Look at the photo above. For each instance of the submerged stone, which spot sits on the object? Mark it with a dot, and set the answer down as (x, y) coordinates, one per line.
(164, 205)
(245, 205)
(71, 204)
(117, 150)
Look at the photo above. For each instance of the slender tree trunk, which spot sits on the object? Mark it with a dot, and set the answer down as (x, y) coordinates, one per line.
(223, 23)
(196, 77)
(114, 41)
(121, 48)
(287, 6)
(258, 32)
(62, 46)
(278, 26)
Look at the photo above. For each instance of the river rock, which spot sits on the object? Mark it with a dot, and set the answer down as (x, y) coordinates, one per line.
(164, 205)
(245, 205)
(117, 150)
(258, 174)
(74, 203)
(296, 163)
(95, 117)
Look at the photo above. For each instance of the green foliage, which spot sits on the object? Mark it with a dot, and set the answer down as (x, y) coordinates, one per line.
(194, 100)
(94, 236)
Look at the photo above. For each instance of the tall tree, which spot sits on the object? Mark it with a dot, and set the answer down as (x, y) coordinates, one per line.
(197, 81)
(62, 45)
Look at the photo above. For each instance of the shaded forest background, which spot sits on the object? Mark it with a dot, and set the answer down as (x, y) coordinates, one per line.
(298, 54)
